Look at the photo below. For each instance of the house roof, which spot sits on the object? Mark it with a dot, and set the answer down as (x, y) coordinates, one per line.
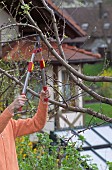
(44, 20)
(22, 50)
(96, 19)
(69, 19)
(97, 144)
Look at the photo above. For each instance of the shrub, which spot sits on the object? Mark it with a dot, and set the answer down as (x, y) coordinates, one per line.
(47, 155)
(106, 88)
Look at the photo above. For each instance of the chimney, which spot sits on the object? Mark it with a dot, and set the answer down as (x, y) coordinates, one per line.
(100, 9)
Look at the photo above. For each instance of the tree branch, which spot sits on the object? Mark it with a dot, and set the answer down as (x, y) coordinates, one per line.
(70, 108)
(61, 60)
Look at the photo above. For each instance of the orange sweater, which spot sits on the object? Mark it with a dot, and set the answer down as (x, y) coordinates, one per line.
(10, 129)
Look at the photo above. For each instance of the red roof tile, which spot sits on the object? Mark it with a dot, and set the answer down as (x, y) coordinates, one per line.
(22, 50)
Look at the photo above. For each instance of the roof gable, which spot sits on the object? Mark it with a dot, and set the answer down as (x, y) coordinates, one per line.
(64, 14)
(44, 20)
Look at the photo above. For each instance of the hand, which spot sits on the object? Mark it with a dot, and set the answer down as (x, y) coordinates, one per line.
(17, 103)
(44, 95)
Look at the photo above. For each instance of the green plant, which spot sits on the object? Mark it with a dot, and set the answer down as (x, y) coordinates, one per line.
(109, 165)
(46, 155)
(106, 88)
(25, 8)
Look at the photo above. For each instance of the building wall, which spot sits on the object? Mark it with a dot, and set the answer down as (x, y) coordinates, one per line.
(73, 118)
(50, 125)
(79, 99)
(10, 33)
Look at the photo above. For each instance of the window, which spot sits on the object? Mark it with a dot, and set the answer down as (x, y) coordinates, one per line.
(106, 26)
(68, 88)
(105, 15)
(85, 26)
(65, 85)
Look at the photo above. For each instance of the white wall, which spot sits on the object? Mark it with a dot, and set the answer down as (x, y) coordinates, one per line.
(71, 116)
(76, 119)
(9, 33)
(78, 90)
(50, 123)
(49, 71)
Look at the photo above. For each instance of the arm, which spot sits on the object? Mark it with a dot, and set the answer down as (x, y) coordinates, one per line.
(30, 125)
(27, 126)
(4, 119)
(8, 113)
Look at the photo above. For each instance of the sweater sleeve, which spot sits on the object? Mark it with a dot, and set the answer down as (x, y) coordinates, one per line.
(30, 125)
(4, 119)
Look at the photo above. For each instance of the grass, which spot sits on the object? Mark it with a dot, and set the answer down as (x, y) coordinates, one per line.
(105, 109)
(99, 107)
(93, 69)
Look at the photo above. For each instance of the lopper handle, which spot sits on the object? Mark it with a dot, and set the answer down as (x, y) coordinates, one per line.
(20, 109)
(45, 88)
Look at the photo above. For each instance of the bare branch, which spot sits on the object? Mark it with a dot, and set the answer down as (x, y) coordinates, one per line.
(56, 30)
(76, 109)
(61, 60)
(90, 91)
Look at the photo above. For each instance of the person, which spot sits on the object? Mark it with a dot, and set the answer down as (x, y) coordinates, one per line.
(10, 128)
